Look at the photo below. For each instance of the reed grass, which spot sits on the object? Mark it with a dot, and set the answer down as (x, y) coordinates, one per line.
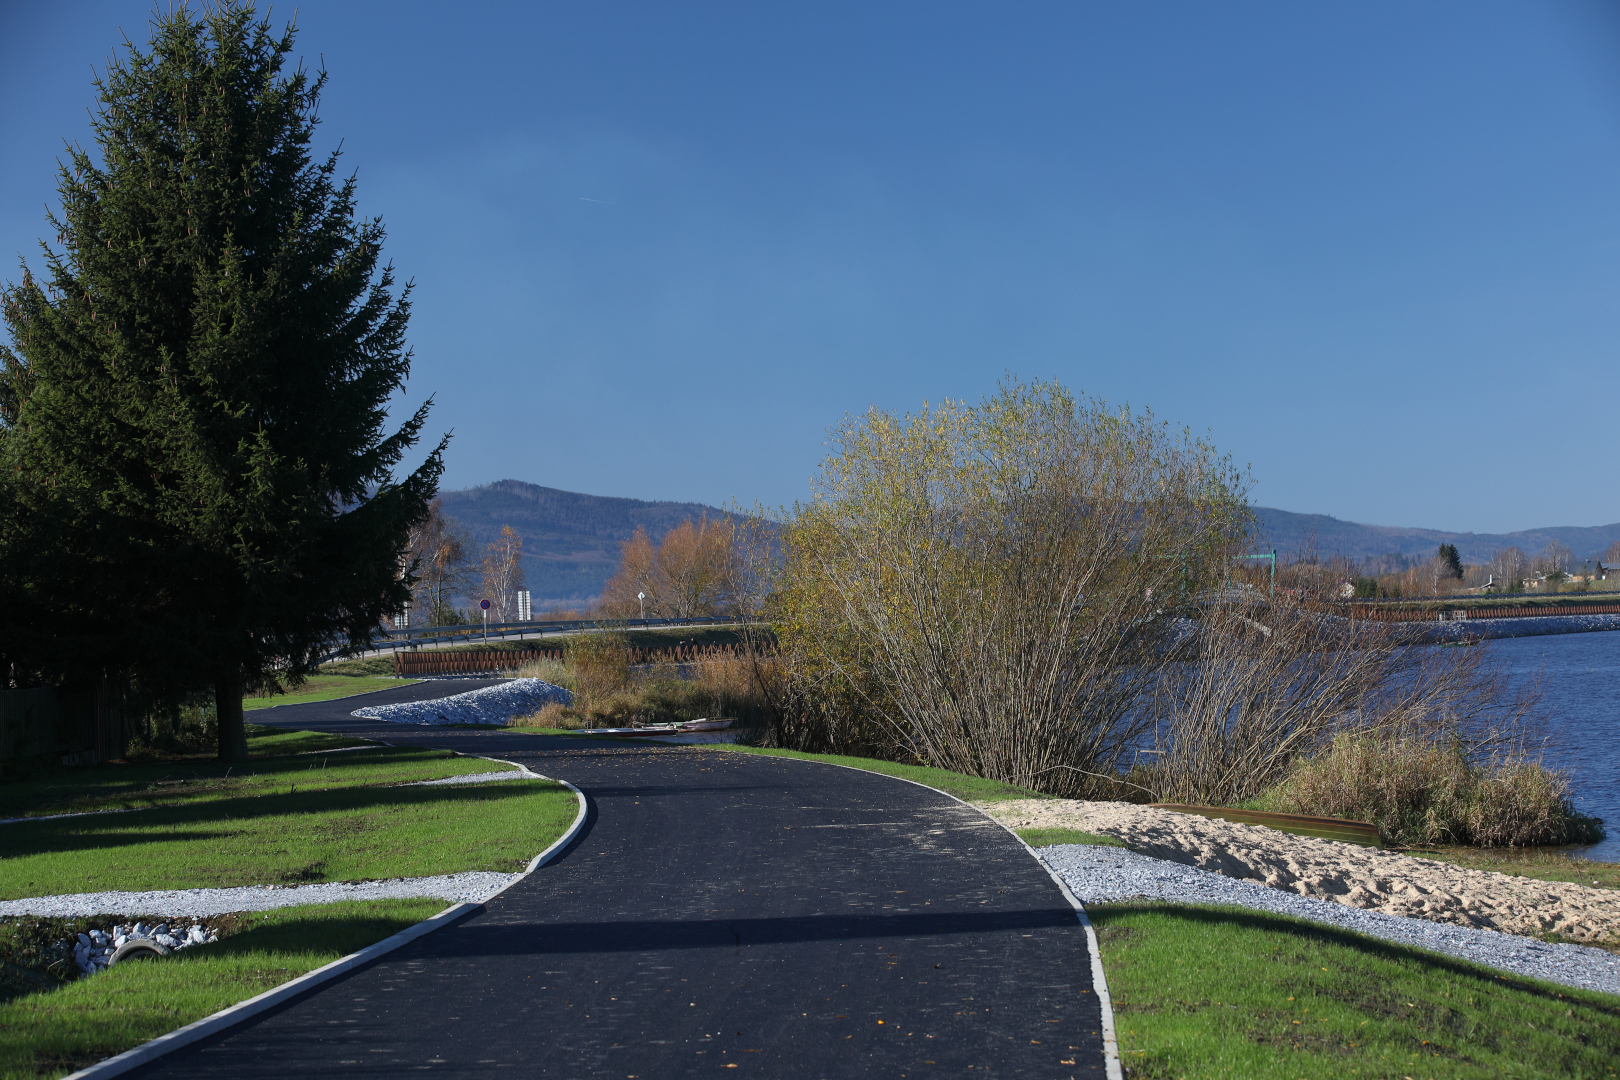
(611, 692)
(1425, 790)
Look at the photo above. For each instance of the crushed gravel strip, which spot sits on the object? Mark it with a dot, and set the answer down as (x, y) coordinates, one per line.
(470, 888)
(479, 778)
(1104, 874)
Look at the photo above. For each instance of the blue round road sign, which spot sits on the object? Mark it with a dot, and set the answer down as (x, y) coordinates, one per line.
(484, 604)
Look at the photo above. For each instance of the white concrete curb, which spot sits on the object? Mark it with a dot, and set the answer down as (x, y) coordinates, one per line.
(208, 1025)
(226, 1018)
(561, 842)
(1099, 982)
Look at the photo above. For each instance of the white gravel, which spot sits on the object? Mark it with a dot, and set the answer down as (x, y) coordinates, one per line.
(1098, 874)
(466, 888)
(487, 705)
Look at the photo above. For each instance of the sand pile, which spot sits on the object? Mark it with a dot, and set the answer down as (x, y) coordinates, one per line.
(1354, 876)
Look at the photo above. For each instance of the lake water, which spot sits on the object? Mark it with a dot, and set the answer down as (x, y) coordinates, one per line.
(1582, 679)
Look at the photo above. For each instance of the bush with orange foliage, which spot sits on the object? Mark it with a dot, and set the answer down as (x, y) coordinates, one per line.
(695, 570)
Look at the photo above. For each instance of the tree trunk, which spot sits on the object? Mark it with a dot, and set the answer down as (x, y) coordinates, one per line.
(228, 707)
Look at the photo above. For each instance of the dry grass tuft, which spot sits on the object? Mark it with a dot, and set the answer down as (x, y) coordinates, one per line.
(610, 692)
(1421, 790)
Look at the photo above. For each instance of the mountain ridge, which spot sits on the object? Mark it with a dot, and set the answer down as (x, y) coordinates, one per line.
(571, 540)
(1291, 533)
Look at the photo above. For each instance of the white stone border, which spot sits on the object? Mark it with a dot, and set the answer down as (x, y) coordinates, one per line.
(1099, 982)
(243, 1010)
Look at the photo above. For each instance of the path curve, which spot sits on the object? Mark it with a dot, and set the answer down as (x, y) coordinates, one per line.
(720, 914)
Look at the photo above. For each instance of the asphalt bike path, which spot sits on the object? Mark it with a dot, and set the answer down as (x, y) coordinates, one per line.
(720, 914)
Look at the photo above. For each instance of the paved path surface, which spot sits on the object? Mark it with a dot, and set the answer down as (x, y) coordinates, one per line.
(721, 914)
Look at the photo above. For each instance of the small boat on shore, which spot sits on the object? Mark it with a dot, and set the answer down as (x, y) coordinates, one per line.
(658, 729)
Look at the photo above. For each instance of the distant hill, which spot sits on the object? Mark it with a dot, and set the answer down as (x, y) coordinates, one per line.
(570, 541)
(1289, 533)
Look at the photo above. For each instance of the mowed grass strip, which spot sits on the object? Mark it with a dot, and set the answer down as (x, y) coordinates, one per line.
(1222, 992)
(288, 837)
(325, 688)
(966, 788)
(52, 1033)
(279, 762)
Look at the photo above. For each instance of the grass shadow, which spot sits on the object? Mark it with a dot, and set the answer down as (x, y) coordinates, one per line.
(100, 832)
(1207, 917)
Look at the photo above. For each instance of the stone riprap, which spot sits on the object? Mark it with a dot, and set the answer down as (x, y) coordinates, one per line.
(93, 950)
(487, 705)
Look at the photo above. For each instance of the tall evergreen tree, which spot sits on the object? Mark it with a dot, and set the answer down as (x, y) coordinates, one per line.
(194, 407)
(1452, 561)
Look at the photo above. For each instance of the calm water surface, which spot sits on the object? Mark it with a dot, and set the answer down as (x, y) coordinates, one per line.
(1582, 673)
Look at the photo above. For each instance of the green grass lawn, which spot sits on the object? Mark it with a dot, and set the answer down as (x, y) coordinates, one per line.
(51, 1033)
(1224, 992)
(327, 688)
(302, 808)
(279, 761)
(297, 835)
(280, 817)
(365, 666)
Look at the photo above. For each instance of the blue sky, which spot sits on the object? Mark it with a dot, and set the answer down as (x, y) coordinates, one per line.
(1373, 249)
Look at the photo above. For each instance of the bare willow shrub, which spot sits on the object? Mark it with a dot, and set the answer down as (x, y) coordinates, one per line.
(981, 588)
(1255, 687)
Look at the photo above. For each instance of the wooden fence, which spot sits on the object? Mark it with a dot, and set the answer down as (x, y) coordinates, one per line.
(470, 661)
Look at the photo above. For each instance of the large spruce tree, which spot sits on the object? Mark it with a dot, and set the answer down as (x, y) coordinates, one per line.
(193, 413)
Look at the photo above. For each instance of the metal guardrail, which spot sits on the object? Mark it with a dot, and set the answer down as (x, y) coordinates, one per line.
(476, 633)
(409, 662)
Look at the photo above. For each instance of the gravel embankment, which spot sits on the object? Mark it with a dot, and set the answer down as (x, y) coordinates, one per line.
(1103, 874)
(487, 705)
(1390, 882)
(466, 888)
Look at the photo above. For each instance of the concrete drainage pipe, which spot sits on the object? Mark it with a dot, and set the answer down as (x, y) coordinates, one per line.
(138, 949)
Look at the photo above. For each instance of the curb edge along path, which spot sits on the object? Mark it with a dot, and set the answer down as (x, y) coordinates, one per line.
(717, 911)
(1099, 981)
(229, 1017)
